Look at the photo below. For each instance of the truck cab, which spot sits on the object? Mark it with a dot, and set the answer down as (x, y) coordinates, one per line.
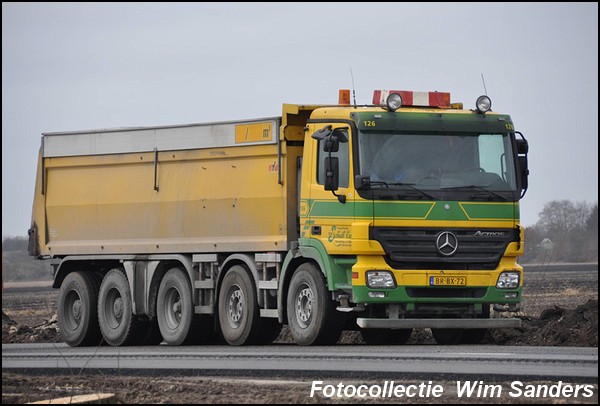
(412, 207)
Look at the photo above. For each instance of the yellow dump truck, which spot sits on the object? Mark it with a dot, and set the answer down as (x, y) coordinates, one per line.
(381, 218)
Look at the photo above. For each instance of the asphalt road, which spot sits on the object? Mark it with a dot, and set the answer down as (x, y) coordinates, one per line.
(277, 360)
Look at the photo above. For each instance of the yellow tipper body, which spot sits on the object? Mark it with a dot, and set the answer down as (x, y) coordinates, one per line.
(212, 187)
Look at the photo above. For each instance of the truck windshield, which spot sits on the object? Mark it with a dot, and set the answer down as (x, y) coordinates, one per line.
(438, 161)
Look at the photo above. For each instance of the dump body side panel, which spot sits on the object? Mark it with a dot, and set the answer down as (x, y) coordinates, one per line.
(204, 188)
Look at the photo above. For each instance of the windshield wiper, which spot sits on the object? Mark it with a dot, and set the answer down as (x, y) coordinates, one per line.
(408, 185)
(489, 192)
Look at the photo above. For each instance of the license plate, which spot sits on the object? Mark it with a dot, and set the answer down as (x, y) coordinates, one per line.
(447, 281)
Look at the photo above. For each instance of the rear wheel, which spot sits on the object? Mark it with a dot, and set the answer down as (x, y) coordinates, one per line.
(175, 307)
(77, 309)
(118, 324)
(238, 307)
(377, 336)
(311, 312)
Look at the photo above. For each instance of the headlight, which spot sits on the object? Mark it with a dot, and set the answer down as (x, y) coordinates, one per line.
(380, 280)
(393, 102)
(483, 104)
(508, 280)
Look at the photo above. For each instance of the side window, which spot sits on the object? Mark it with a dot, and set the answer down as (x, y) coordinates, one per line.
(342, 155)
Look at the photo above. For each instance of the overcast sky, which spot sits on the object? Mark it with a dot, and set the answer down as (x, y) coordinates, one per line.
(88, 66)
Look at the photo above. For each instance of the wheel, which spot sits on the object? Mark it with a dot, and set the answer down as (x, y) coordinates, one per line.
(77, 309)
(376, 336)
(238, 307)
(118, 324)
(447, 336)
(311, 313)
(175, 307)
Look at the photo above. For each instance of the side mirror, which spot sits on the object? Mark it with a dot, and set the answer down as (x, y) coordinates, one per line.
(362, 182)
(331, 143)
(322, 133)
(332, 173)
(523, 173)
(331, 138)
(522, 150)
(522, 147)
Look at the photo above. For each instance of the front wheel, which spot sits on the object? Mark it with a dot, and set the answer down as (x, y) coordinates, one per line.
(311, 312)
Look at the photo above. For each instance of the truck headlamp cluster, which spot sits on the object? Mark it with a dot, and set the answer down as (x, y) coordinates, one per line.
(508, 280)
(393, 102)
(380, 280)
(483, 104)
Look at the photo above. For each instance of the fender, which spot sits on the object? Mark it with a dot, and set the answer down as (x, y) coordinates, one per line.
(250, 263)
(337, 271)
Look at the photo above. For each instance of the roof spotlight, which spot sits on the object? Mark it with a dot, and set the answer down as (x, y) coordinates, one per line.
(483, 104)
(393, 102)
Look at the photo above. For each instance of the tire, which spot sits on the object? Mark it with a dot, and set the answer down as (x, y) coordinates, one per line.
(118, 324)
(175, 307)
(78, 311)
(376, 336)
(447, 336)
(311, 313)
(238, 307)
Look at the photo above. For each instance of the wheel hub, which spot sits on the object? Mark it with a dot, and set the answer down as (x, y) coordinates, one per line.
(76, 310)
(118, 308)
(235, 308)
(304, 306)
(173, 308)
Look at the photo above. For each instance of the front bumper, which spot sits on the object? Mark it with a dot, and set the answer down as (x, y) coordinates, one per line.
(413, 286)
(438, 323)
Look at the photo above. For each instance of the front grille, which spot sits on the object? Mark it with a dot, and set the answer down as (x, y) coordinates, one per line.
(415, 248)
(434, 293)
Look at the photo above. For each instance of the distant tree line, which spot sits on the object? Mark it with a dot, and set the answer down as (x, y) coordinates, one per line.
(19, 265)
(566, 231)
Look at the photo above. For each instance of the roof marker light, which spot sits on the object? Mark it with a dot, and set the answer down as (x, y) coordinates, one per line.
(416, 99)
